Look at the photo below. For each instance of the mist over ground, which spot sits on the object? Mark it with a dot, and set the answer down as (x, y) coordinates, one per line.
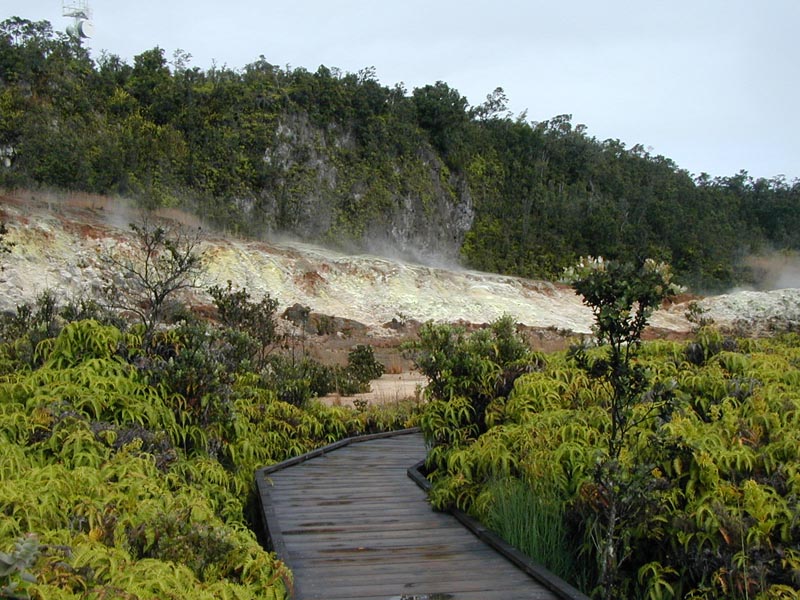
(59, 240)
(775, 270)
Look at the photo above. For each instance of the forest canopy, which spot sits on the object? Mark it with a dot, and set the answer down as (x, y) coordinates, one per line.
(333, 157)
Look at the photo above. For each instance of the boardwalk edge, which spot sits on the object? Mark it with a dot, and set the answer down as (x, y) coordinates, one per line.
(550, 580)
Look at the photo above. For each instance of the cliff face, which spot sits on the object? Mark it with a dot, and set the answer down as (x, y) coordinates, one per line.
(325, 188)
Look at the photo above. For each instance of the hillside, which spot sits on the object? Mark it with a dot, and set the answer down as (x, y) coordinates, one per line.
(341, 160)
(58, 241)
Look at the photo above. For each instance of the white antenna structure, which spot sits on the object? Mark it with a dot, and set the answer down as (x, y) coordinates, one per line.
(81, 15)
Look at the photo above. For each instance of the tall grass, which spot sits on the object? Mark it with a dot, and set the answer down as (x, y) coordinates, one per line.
(534, 524)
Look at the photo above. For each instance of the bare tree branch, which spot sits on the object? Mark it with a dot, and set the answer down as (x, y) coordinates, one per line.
(163, 261)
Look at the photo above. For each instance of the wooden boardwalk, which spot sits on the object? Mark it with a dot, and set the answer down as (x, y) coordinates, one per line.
(352, 525)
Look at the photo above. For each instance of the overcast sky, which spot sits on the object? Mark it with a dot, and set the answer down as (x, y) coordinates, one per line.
(711, 84)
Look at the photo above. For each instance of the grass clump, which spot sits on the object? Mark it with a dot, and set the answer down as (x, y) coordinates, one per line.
(534, 524)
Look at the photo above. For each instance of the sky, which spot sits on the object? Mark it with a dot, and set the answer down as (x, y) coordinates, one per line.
(712, 84)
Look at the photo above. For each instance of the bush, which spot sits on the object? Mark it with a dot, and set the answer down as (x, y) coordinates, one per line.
(705, 492)
(362, 366)
(296, 381)
(93, 459)
(479, 367)
(252, 322)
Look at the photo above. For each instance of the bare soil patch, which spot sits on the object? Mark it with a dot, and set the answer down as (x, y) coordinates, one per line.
(387, 389)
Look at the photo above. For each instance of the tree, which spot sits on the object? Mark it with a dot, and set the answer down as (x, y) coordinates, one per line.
(162, 262)
(152, 85)
(24, 48)
(496, 103)
(442, 112)
(253, 322)
(622, 297)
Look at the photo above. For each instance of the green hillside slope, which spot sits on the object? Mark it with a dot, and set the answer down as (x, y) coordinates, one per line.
(342, 159)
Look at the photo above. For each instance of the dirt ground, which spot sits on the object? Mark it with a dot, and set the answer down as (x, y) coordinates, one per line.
(388, 389)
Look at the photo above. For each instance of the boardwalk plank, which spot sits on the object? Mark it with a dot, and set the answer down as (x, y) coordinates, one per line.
(352, 525)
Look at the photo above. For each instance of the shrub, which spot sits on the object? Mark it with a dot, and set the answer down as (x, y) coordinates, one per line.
(134, 488)
(252, 322)
(479, 367)
(362, 366)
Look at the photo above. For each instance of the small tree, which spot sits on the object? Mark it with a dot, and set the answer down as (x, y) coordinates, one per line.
(162, 262)
(254, 321)
(622, 297)
(479, 367)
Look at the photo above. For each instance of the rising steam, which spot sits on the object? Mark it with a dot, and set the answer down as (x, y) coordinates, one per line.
(776, 270)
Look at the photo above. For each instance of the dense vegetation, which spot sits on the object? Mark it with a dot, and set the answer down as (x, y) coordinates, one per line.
(128, 449)
(652, 470)
(329, 155)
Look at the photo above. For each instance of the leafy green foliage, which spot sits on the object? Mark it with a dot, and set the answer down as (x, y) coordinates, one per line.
(622, 297)
(715, 477)
(197, 366)
(469, 375)
(442, 112)
(254, 321)
(479, 367)
(296, 381)
(133, 465)
(30, 325)
(362, 367)
(27, 327)
(662, 470)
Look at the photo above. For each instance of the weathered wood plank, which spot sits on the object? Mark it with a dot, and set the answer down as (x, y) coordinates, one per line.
(352, 525)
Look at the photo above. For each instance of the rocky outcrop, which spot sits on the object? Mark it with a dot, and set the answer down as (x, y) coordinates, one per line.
(323, 190)
(430, 232)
